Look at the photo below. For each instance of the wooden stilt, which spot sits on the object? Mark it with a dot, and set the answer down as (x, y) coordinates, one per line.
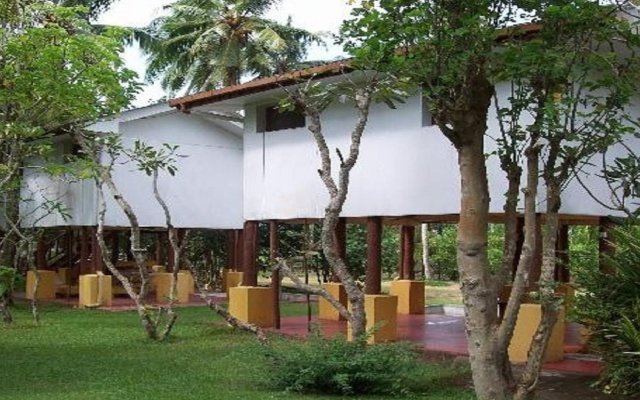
(84, 251)
(373, 277)
(408, 247)
(231, 250)
(115, 247)
(239, 240)
(606, 244)
(275, 275)
(41, 254)
(249, 257)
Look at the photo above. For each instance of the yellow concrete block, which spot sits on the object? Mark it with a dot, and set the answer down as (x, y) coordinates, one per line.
(526, 326)
(382, 313)
(190, 282)
(46, 285)
(159, 268)
(233, 279)
(567, 291)
(410, 296)
(105, 290)
(88, 291)
(325, 309)
(162, 283)
(252, 304)
(64, 276)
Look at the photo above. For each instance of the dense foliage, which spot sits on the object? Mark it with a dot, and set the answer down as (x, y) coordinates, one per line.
(609, 306)
(337, 366)
(202, 45)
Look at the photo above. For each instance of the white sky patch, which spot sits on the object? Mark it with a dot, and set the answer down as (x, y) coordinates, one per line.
(323, 16)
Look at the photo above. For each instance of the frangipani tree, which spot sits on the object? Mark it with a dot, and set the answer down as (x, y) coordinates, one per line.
(569, 80)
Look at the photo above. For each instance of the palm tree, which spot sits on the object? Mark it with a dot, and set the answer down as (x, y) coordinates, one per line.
(206, 44)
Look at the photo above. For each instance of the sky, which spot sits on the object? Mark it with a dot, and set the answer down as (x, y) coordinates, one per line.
(320, 16)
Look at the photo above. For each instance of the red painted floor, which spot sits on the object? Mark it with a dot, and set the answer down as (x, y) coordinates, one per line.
(445, 334)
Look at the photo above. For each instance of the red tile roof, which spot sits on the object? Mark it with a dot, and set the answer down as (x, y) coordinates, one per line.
(290, 78)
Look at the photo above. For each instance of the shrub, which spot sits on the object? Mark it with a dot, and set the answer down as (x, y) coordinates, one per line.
(337, 366)
(7, 281)
(610, 307)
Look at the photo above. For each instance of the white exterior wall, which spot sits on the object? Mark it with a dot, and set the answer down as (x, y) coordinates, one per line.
(404, 169)
(77, 198)
(206, 192)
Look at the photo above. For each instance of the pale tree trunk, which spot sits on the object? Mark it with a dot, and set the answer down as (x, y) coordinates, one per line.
(177, 248)
(476, 283)
(549, 304)
(424, 237)
(146, 320)
(338, 190)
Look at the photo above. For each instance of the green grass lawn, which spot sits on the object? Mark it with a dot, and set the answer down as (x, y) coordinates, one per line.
(79, 354)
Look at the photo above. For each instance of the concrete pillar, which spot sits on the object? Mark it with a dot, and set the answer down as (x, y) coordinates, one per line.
(526, 326)
(381, 311)
(373, 276)
(252, 304)
(410, 294)
(325, 309)
(46, 285)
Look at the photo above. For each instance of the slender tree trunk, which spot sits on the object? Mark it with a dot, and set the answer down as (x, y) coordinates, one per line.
(548, 302)
(476, 283)
(424, 236)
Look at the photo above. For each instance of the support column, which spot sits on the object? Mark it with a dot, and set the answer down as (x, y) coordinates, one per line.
(408, 233)
(562, 273)
(373, 277)
(239, 241)
(115, 248)
(231, 250)
(606, 244)
(84, 251)
(275, 274)
(159, 260)
(170, 254)
(41, 254)
(340, 236)
(249, 256)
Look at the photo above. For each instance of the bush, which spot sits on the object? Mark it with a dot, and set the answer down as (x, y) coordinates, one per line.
(7, 282)
(610, 307)
(336, 366)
